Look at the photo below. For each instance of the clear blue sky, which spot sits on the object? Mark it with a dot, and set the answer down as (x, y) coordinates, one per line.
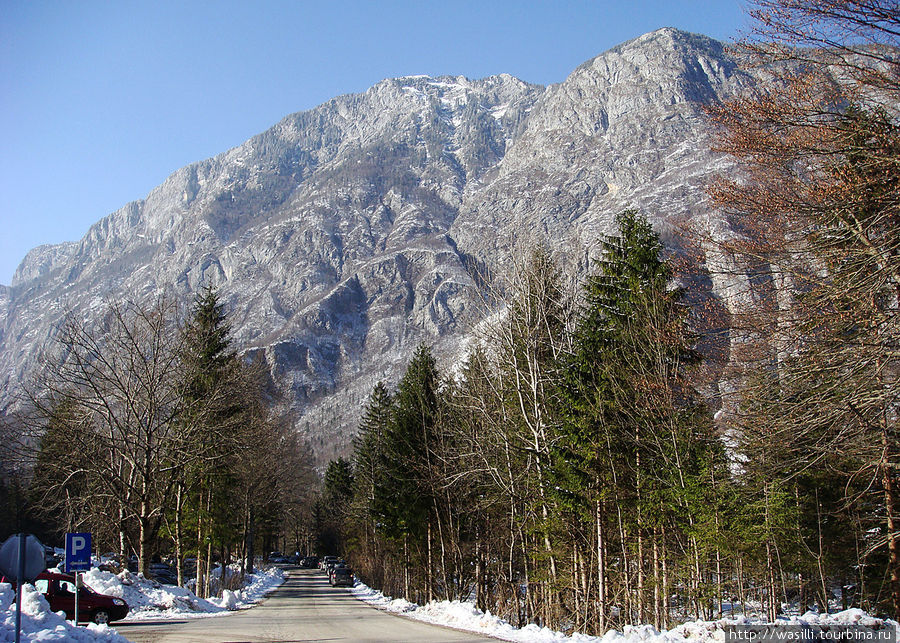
(101, 101)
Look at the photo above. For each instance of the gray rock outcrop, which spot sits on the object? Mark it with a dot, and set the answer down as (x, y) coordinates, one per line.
(346, 235)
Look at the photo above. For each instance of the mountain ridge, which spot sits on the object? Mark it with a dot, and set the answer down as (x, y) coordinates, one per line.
(344, 236)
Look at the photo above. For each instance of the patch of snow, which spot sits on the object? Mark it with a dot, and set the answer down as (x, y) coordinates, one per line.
(500, 111)
(40, 624)
(464, 615)
(418, 94)
(148, 599)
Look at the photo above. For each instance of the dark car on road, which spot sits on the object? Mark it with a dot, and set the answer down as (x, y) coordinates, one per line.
(310, 562)
(341, 577)
(334, 562)
(59, 590)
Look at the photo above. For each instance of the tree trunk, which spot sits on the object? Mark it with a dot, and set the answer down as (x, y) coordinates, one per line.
(179, 536)
(640, 573)
(576, 590)
(144, 540)
(406, 594)
(657, 606)
(251, 529)
(429, 568)
(640, 530)
(601, 570)
(665, 581)
(626, 560)
(719, 591)
(208, 584)
(887, 478)
(198, 585)
(772, 610)
(479, 572)
(123, 550)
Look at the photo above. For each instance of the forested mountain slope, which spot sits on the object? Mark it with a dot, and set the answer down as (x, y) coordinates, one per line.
(345, 236)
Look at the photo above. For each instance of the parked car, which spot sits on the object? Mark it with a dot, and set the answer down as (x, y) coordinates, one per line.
(51, 558)
(59, 590)
(163, 573)
(341, 577)
(110, 562)
(310, 562)
(189, 567)
(331, 564)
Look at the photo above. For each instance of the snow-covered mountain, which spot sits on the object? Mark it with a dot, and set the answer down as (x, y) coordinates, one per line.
(346, 235)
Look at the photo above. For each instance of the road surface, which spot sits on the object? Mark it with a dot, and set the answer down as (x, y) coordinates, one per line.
(304, 608)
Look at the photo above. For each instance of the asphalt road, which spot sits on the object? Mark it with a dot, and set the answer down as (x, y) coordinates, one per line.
(304, 608)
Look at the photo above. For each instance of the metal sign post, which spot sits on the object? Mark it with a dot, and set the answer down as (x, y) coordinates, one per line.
(22, 558)
(20, 580)
(78, 559)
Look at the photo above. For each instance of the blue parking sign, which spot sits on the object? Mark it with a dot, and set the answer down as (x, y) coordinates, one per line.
(78, 553)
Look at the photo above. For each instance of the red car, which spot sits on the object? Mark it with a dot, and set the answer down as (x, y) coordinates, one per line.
(59, 590)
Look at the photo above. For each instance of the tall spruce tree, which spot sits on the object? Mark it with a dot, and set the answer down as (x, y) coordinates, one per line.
(213, 405)
(403, 497)
(630, 453)
(338, 494)
(367, 458)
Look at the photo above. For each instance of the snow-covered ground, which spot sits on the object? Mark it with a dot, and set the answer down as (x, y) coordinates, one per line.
(465, 616)
(40, 624)
(146, 599)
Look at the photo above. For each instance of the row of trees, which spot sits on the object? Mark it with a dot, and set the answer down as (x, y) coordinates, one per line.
(819, 196)
(569, 474)
(155, 436)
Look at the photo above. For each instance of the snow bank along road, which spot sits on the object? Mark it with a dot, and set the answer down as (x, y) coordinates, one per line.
(305, 608)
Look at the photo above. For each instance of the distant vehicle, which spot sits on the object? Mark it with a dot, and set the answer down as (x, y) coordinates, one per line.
(189, 567)
(162, 573)
(110, 562)
(341, 577)
(331, 564)
(310, 562)
(51, 558)
(323, 564)
(277, 557)
(59, 590)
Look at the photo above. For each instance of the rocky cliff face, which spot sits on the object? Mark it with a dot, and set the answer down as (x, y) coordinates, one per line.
(346, 235)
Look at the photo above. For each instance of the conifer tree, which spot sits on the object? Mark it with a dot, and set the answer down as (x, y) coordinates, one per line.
(403, 497)
(367, 458)
(337, 494)
(630, 454)
(215, 400)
